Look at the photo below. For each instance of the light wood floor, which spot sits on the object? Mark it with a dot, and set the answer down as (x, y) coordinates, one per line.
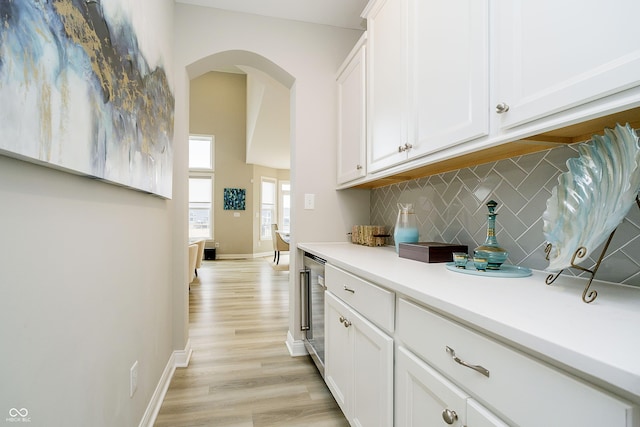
(240, 373)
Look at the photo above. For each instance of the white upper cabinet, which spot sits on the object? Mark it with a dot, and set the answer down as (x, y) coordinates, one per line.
(352, 115)
(449, 73)
(428, 80)
(446, 78)
(551, 56)
(386, 83)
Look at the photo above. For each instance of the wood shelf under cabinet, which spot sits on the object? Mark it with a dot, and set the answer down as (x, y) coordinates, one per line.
(567, 135)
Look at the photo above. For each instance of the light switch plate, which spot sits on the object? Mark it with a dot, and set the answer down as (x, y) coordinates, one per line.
(309, 201)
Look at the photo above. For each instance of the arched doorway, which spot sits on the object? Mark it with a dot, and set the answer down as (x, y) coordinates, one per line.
(305, 58)
(215, 71)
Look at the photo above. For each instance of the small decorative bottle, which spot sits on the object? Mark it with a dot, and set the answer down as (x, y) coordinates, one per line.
(490, 250)
(406, 230)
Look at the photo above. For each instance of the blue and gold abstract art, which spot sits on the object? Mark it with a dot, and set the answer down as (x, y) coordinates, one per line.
(77, 94)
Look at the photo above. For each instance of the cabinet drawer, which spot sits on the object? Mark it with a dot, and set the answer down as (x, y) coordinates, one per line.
(373, 302)
(523, 390)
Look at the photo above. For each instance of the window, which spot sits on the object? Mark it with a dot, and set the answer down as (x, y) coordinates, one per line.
(201, 153)
(267, 207)
(285, 206)
(200, 212)
(201, 173)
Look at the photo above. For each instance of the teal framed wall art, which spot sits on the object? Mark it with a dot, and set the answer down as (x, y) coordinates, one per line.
(234, 199)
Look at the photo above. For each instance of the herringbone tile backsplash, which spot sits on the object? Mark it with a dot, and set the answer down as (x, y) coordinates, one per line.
(451, 207)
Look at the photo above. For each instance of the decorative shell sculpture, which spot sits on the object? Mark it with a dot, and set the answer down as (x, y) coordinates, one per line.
(593, 196)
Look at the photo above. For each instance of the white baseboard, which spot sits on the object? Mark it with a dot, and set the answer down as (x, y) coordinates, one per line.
(263, 254)
(182, 357)
(234, 256)
(245, 256)
(296, 347)
(178, 359)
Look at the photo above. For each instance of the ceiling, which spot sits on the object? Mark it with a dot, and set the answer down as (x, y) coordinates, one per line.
(337, 13)
(268, 129)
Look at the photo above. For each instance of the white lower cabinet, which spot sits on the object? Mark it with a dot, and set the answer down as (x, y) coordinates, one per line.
(444, 372)
(518, 388)
(358, 365)
(479, 416)
(426, 398)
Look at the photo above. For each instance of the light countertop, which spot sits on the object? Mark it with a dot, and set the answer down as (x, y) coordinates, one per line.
(599, 341)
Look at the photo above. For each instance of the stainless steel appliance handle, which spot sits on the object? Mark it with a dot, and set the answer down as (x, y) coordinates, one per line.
(304, 299)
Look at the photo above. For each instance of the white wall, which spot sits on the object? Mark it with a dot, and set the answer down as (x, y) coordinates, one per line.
(88, 283)
(304, 57)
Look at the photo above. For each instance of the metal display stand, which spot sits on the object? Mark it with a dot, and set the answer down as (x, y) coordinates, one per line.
(587, 296)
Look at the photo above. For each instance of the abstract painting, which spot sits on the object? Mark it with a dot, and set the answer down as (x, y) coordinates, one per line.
(77, 94)
(234, 199)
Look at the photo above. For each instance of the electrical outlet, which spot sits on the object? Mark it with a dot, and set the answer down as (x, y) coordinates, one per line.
(217, 244)
(133, 379)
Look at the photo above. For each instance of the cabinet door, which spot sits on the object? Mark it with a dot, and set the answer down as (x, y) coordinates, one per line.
(338, 353)
(449, 73)
(352, 118)
(386, 83)
(479, 416)
(550, 56)
(358, 365)
(372, 374)
(424, 397)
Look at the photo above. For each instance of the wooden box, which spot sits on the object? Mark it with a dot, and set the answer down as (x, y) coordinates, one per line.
(430, 251)
(369, 235)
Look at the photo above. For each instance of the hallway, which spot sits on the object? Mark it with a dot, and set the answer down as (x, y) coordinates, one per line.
(240, 373)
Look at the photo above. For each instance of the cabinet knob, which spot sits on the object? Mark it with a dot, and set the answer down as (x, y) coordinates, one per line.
(358, 167)
(346, 322)
(405, 147)
(502, 108)
(449, 416)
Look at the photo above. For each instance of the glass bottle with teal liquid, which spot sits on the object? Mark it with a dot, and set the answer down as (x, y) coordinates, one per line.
(406, 230)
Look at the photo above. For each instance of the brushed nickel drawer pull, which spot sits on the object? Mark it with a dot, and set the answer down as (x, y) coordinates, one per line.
(456, 359)
(349, 289)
